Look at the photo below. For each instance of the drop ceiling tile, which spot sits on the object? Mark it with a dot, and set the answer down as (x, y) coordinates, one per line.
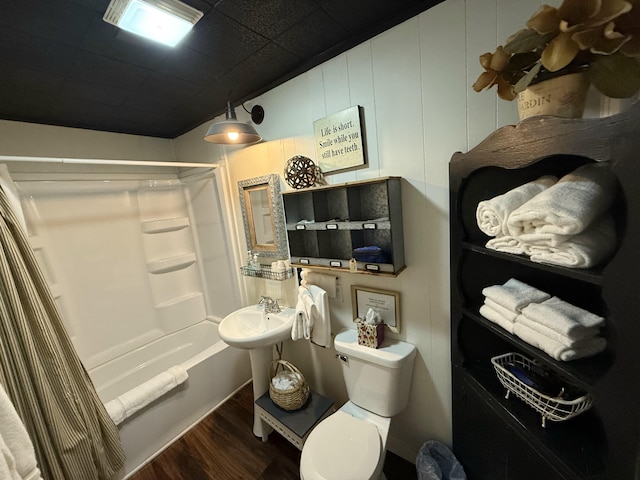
(225, 40)
(34, 52)
(268, 18)
(312, 35)
(94, 68)
(58, 21)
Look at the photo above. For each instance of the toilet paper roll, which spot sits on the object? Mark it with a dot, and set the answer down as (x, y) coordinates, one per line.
(326, 282)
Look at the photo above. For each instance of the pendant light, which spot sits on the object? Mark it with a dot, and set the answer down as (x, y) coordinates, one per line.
(231, 131)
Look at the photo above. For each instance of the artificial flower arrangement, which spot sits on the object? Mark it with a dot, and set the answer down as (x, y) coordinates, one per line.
(600, 37)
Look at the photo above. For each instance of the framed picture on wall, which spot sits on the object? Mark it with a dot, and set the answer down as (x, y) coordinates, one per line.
(339, 141)
(385, 302)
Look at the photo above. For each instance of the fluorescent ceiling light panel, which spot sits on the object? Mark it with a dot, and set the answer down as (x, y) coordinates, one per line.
(164, 21)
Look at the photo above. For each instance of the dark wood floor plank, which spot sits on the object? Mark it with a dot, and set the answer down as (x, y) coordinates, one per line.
(222, 447)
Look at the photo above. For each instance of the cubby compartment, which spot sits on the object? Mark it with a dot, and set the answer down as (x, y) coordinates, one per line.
(599, 443)
(325, 224)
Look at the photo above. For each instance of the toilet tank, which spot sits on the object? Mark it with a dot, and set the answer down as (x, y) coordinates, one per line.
(377, 379)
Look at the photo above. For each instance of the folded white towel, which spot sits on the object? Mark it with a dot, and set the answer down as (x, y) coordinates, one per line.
(579, 334)
(17, 455)
(505, 312)
(584, 250)
(321, 331)
(492, 214)
(139, 397)
(557, 350)
(507, 244)
(514, 294)
(490, 314)
(569, 206)
(563, 317)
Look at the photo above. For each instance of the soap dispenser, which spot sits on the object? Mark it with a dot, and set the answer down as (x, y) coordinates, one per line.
(255, 263)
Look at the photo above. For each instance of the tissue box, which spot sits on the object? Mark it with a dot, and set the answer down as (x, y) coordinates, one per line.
(370, 335)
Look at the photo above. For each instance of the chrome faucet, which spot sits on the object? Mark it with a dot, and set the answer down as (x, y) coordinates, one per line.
(270, 305)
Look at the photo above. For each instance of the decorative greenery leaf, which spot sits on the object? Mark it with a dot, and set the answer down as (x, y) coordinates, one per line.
(525, 81)
(559, 53)
(616, 76)
(526, 40)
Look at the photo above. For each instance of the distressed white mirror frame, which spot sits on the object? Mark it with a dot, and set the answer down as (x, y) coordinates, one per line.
(271, 183)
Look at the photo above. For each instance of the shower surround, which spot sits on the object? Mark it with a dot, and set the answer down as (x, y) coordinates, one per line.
(142, 270)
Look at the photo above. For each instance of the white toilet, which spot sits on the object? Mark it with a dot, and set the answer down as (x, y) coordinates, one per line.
(351, 443)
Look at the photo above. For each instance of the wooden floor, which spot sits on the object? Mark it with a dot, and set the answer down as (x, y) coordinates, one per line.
(223, 447)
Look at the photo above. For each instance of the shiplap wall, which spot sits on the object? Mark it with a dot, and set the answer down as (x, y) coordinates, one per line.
(414, 83)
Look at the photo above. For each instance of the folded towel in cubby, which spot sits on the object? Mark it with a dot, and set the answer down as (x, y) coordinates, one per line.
(569, 206)
(492, 214)
(579, 335)
(505, 312)
(585, 250)
(563, 317)
(514, 294)
(557, 350)
(490, 314)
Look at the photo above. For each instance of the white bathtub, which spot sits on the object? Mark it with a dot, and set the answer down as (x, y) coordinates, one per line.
(215, 372)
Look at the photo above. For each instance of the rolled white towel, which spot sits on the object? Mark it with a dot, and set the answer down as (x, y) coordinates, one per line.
(139, 397)
(492, 214)
(490, 314)
(563, 317)
(507, 244)
(514, 294)
(585, 250)
(557, 350)
(579, 336)
(569, 206)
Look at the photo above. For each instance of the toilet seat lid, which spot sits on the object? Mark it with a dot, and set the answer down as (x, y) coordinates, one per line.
(341, 447)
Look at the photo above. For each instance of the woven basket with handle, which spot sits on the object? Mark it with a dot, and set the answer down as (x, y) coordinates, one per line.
(291, 398)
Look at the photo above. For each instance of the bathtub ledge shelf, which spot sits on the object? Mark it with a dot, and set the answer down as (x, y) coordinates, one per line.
(171, 264)
(167, 225)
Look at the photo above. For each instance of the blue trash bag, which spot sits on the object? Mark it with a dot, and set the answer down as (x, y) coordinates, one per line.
(436, 462)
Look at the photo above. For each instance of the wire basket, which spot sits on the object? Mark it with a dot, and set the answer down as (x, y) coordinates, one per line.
(266, 272)
(290, 398)
(554, 409)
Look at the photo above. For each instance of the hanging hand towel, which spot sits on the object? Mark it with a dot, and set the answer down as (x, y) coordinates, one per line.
(492, 214)
(514, 294)
(562, 317)
(304, 315)
(326, 282)
(321, 332)
(17, 455)
(569, 206)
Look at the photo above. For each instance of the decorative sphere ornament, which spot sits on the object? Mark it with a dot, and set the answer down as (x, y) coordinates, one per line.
(300, 172)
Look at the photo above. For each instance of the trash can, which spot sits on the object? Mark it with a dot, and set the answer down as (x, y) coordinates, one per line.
(436, 462)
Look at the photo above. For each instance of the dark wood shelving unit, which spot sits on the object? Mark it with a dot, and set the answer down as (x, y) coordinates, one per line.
(496, 438)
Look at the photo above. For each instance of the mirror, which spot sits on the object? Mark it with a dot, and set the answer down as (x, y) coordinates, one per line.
(263, 216)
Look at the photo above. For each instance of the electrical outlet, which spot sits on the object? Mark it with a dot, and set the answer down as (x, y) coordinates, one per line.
(339, 296)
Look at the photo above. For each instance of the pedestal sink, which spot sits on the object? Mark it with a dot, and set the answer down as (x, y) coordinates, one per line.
(251, 328)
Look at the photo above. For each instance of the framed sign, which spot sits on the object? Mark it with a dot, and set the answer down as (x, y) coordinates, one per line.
(386, 303)
(339, 141)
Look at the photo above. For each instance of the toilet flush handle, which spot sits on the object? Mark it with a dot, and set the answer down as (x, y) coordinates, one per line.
(342, 358)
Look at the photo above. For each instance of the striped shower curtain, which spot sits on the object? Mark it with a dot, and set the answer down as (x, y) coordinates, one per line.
(73, 436)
